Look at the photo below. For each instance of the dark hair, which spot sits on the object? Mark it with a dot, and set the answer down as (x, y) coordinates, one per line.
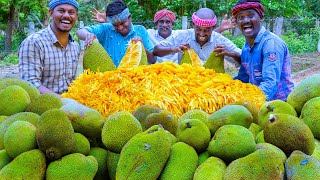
(115, 7)
(243, 1)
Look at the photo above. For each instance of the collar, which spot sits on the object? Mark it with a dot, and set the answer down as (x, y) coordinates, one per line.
(260, 35)
(132, 29)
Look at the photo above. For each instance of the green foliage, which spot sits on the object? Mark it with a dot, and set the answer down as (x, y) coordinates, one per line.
(10, 59)
(298, 44)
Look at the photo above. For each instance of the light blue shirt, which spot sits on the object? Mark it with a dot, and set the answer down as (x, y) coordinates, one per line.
(114, 43)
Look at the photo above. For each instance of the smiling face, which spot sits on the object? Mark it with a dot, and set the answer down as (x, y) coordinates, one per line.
(164, 26)
(202, 34)
(64, 17)
(249, 22)
(123, 27)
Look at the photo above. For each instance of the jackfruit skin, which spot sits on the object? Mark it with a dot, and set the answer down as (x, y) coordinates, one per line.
(311, 116)
(289, 133)
(190, 57)
(43, 103)
(230, 114)
(20, 137)
(167, 120)
(232, 142)
(85, 120)
(194, 133)
(144, 57)
(3, 118)
(301, 166)
(251, 106)
(73, 167)
(316, 152)
(32, 91)
(196, 114)
(55, 134)
(271, 107)
(14, 99)
(96, 58)
(101, 156)
(4, 158)
(260, 137)
(118, 129)
(144, 155)
(112, 162)
(81, 144)
(212, 169)
(281, 155)
(304, 91)
(215, 62)
(30, 165)
(255, 129)
(203, 157)
(23, 116)
(182, 162)
(261, 164)
(143, 111)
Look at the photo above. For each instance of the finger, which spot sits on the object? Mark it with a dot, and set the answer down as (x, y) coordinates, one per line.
(225, 17)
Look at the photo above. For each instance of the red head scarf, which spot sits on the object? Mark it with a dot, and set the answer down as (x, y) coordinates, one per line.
(162, 13)
(248, 5)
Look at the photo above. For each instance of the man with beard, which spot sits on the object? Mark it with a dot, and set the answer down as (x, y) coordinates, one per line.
(116, 34)
(49, 58)
(265, 59)
(202, 38)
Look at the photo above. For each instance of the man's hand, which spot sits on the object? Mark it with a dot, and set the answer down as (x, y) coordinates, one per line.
(226, 24)
(89, 38)
(136, 38)
(98, 16)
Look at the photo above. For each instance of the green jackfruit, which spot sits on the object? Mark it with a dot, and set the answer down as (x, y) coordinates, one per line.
(311, 116)
(55, 134)
(196, 114)
(212, 169)
(215, 62)
(144, 155)
(81, 144)
(72, 167)
(101, 156)
(260, 137)
(167, 120)
(43, 103)
(251, 106)
(255, 129)
(203, 157)
(302, 166)
(316, 152)
(14, 99)
(28, 165)
(32, 91)
(278, 152)
(20, 137)
(118, 129)
(23, 116)
(190, 57)
(182, 162)
(231, 142)
(4, 158)
(289, 133)
(3, 118)
(143, 111)
(112, 162)
(96, 58)
(85, 120)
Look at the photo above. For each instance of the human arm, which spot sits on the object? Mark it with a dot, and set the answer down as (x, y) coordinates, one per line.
(222, 50)
(227, 48)
(161, 50)
(226, 24)
(98, 16)
(85, 35)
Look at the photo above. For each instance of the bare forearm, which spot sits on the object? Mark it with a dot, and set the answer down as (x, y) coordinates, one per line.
(151, 58)
(44, 90)
(82, 33)
(162, 50)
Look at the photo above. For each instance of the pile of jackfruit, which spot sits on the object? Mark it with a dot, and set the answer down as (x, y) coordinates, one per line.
(44, 137)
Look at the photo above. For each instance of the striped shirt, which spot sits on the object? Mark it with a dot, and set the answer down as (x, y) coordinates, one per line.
(267, 65)
(43, 61)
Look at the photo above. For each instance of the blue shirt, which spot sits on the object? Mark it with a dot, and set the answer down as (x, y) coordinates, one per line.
(267, 65)
(114, 43)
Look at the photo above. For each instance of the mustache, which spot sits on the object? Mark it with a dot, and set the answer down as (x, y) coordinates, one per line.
(165, 28)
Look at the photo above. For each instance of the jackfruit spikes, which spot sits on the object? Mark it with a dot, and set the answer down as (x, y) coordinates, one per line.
(96, 58)
(212, 169)
(215, 62)
(278, 152)
(135, 55)
(14, 99)
(316, 152)
(190, 57)
(302, 166)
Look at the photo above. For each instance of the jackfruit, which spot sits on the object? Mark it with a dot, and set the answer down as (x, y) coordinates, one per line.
(203, 157)
(135, 55)
(304, 91)
(230, 114)
(101, 156)
(112, 162)
(251, 106)
(143, 111)
(23, 116)
(302, 166)
(212, 169)
(196, 114)
(231, 142)
(215, 62)
(43, 103)
(85, 120)
(194, 133)
(4, 158)
(182, 162)
(261, 164)
(32, 91)
(255, 129)
(14, 99)
(311, 116)
(96, 58)
(190, 57)
(271, 107)
(20, 137)
(118, 129)
(289, 133)
(81, 144)
(144, 155)
(167, 120)
(278, 152)
(28, 165)
(55, 134)
(3, 118)
(72, 167)
(316, 152)
(260, 137)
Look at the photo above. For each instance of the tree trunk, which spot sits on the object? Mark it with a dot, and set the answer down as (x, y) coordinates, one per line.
(9, 29)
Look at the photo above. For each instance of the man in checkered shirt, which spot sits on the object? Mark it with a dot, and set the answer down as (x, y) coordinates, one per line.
(49, 58)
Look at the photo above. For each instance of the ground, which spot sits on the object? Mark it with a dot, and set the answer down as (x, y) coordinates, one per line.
(303, 65)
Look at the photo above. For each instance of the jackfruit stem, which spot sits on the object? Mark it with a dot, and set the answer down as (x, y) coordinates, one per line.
(272, 118)
(269, 108)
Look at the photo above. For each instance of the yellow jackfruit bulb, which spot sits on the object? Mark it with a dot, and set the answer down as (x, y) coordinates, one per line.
(190, 57)
(135, 55)
(215, 62)
(96, 58)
